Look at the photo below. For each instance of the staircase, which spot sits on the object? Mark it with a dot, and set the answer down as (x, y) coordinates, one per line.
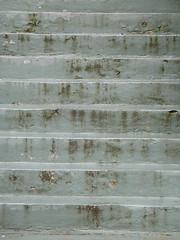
(90, 120)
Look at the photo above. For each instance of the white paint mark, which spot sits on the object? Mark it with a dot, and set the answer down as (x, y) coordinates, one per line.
(27, 61)
(5, 43)
(11, 42)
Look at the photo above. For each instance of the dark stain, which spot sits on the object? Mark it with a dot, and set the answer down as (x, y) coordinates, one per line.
(73, 115)
(26, 208)
(91, 213)
(13, 178)
(153, 218)
(81, 115)
(131, 148)
(167, 43)
(124, 43)
(95, 67)
(48, 42)
(45, 176)
(73, 146)
(113, 150)
(24, 119)
(45, 88)
(135, 117)
(145, 149)
(67, 89)
(74, 42)
(53, 147)
(6, 36)
(173, 111)
(88, 147)
(74, 66)
(47, 115)
(151, 43)
(21, 37)
(124, 119)
(114, 42)
(26, 147)
(144, 24)
(156, 44)
(33, 22)
(94, 117)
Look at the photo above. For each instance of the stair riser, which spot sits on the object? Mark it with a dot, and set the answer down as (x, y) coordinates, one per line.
(90, 183)
(87, 120)
(112, 217)
(74, 150)
(28, 44)
(89, 92)
(69, 67)
(89, 23)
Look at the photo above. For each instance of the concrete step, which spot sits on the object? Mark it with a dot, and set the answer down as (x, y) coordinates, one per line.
(82, 213)
(72, 66)
(89, 91)
(88, 235)
(64, 22)
(162, 6)
(90, 148)
(90, 118)
(89, 44)
(90, 179)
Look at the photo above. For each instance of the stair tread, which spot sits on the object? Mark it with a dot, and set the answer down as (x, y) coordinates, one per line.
(90, 200)
(107, 81)
(91, 135)
(75, 56)
(87, 235)
(108, 107)
(101, 5)
(138, 167)
(91, 34)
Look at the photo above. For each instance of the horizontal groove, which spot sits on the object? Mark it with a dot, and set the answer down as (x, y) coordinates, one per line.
(85, 200)
(91, 13)
(93, 233)
(93, 34)
(74, 56)
(108, 107)
(90, 167)
(107, 81)
(110, 136)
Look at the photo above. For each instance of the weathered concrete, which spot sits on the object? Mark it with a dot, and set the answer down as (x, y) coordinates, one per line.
(24, 22)
(39, 91)
(113, 213)
(89, 44)
(93, 5)
(90, 118)
(87, 179)
(89, 148)
(70, 66)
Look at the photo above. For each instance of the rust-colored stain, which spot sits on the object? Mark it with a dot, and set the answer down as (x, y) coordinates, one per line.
(150, 32)
(113, 184)
(148, 128)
